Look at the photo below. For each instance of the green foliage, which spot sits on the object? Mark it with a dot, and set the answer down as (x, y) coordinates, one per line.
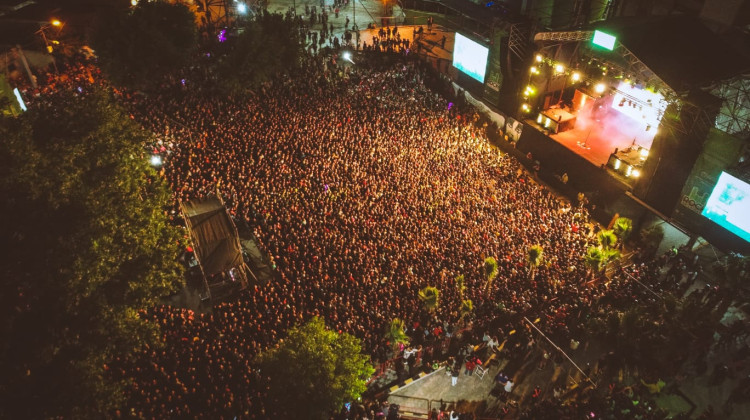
(594, 259)
(395, 333)
(490, 268)
(622, 228)
(460, 285)
(268, 46)
(86, 244)
(140, 45)
(467, 307)
(534, 256)
(607, 239)
(315, 370)
(430, 297)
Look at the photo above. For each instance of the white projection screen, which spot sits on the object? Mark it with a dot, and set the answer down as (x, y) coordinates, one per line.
(729, 205)
(470, 57)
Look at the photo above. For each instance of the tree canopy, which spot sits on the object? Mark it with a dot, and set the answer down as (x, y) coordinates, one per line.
(86, 244)
(269, 45)
(138, 46)
(315, 370)
(430, 297)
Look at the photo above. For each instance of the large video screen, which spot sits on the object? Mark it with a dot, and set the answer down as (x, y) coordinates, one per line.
(470, 57)
(729, 205)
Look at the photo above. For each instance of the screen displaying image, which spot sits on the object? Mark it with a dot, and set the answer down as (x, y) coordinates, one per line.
(729, 205)
(470, 57)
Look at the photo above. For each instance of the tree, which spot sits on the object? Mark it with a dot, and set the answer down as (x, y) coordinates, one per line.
(395, 333)
(594, 260)
(490, 271)
(460, 285)
(534, 258)
(138, 46)
(622, 228)
(86, 245)
(607, 239)
(430, 297)
(315, 370)
(467, 307)
(268, 46)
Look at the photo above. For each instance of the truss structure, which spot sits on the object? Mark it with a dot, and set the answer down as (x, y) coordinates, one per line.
(734, 114)
(518, 34)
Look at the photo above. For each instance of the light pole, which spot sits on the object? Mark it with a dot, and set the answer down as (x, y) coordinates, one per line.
(42, 31)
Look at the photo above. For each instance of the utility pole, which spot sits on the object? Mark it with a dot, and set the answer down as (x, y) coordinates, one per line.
(32, 78)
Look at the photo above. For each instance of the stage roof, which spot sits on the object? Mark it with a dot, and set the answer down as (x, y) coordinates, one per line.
(681, 50)
(215, 237)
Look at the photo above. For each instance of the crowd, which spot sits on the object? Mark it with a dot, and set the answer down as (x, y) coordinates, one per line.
(362, 186)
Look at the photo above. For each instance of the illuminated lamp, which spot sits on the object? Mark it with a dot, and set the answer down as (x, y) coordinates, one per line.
(643, 153)
(617, 164)
(636, 173)
(134, 2)
(156, 160)
(629, 171)
(56, 22)
(538, 58)
(559, 68)
(241, 8)
(600, 88)
(576, 76)
(534, 70)
(539, 119)
(525, 107)
(530, 90)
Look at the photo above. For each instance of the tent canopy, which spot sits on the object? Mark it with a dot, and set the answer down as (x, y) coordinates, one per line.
(217, 244)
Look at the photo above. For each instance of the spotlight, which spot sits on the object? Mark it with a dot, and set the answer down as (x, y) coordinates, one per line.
(156, 160)
(56, 22)
(533, 70)
(241, 8)
(538, 58)
(600, 88)
(525, 107)
(576, 76)
(636, 173)
(559, 68)
(643, 153)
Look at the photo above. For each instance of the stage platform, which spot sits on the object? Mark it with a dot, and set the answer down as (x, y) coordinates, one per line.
(593, 143)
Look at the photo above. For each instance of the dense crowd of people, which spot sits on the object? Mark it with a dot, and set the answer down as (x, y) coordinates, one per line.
(362, 186)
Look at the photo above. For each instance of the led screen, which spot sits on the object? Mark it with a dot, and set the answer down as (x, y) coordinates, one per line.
(729, 205)
(470, 57)
(604, 40)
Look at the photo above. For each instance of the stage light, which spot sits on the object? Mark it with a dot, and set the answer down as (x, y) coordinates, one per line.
(534, 70)
(538, 58)
(530, 90)
(576, 76)
(525, 107)
(636, 173)
(155, 160)
(539, 119)
(347, 56)
(643, 153)
(241, 8)
(629, 171)
(617, 164)
(134, 2)
(600, 88)
(559, 68)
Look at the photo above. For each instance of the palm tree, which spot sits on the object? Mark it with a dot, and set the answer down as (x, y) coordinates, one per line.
(490, 270)
(622, 228)
(430, 297)
(460, 285)
(534, 258)
(467, 306)
(594, 260)
(395, 333)
(607, 239)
